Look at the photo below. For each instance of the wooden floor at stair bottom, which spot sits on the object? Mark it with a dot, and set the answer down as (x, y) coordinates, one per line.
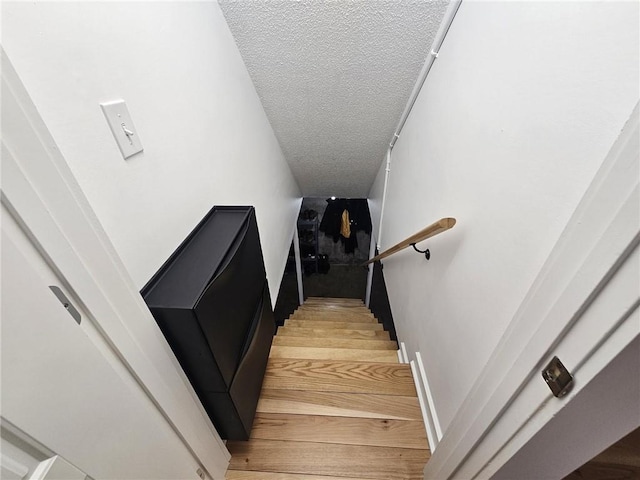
(335, 404)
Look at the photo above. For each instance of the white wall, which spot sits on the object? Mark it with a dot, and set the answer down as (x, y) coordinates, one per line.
(206, 138)
(64, 386)
(517, 114)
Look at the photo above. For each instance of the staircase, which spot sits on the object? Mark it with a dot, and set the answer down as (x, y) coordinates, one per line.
(335, 403)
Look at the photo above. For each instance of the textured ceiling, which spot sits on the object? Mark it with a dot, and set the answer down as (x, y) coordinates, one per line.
(334, 78)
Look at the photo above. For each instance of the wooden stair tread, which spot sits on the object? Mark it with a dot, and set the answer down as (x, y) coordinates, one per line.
(335, 307)
(359, 310)
(335, 402)
(373, 344)
(333, 314)
(348, 302)
(325, 324)
(324, 312)
(339, 404)
(317, 353)
(332, 376)
(323, 333)
(334, 300)
(386, 463)
(248, 475)
(359, 305)
(364, 312)
(334, 318)
(341, 430)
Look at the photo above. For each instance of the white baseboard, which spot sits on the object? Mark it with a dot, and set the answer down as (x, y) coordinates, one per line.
(403, 350)
(430, 404)
(431, 436)
(427, 406)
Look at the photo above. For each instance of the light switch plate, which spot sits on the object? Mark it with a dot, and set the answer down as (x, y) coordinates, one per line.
(122, 127)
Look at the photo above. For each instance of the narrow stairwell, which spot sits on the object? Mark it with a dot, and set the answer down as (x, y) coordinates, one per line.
(335, 403)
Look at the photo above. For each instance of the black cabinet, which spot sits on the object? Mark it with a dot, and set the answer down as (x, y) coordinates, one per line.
(211, 301)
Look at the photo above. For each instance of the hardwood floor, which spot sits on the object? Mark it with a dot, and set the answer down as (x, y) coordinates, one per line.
(335, 403)
(621, 461)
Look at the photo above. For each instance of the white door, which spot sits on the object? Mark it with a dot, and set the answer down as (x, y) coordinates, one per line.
(63, 386)
(24, 459)
(106, 395)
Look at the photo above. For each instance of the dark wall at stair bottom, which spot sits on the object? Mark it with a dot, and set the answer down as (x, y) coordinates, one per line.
(287, 300)
(345, 281)
(379, 302)
(341, 281)
(336, 251)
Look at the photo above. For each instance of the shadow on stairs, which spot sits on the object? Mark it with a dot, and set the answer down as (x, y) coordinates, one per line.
(335, 402)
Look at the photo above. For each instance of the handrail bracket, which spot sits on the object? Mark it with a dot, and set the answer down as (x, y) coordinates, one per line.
(427, 253)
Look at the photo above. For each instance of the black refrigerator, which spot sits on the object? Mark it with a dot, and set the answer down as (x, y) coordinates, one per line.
(211, 300)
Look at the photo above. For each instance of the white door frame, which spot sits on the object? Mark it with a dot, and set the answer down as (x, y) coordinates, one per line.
(42, 194)
(583, 307)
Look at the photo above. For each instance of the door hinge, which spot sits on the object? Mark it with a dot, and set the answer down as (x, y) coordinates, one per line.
(558, 378)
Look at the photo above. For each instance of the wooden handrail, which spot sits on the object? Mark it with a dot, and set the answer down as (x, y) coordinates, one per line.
(440, 226)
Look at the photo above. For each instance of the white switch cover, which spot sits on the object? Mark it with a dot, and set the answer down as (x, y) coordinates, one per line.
(122, 127)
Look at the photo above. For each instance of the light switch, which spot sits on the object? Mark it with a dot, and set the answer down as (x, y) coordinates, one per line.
(121, 125)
